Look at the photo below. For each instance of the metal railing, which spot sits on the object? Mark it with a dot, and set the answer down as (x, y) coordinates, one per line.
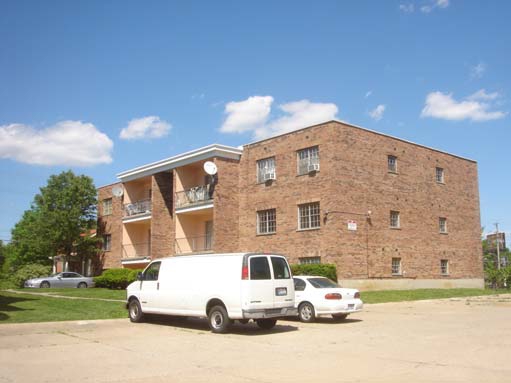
(136, 250)
(194, 196)
(194, 244)
(138, 207)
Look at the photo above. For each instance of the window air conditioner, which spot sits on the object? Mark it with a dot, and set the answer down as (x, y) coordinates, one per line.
(269, 176)
(313, 167)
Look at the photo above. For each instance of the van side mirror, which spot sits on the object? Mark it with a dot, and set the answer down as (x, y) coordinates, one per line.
(140, 276)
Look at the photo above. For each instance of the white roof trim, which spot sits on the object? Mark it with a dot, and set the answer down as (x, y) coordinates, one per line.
(136, 218)
(214, 150)
(194, 208)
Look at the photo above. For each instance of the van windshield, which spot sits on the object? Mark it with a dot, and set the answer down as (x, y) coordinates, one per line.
(280, 268)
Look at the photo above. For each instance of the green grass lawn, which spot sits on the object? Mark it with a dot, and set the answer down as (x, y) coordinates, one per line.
(421, 294)
(87, 293)
(24, 308)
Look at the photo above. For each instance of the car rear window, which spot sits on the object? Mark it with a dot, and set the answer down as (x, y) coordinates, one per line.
(259, 268)
(280, 268)
(322, 283)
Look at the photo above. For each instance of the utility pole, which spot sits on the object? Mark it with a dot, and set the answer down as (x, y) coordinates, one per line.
(498, 244)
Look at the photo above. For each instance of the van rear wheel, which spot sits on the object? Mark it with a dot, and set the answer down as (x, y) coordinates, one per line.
(135, 311)
(219, 321)
(266, 324)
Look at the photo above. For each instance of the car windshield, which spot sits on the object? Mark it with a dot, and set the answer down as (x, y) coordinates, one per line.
(322, 283)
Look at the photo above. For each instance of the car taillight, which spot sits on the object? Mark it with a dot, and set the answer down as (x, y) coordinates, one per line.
(244, 273)
(333, 296)
(357, 295)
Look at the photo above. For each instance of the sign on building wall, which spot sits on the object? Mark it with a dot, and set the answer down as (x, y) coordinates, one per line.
(352, 225)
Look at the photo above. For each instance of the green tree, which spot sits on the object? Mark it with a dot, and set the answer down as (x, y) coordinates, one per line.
(58, 222)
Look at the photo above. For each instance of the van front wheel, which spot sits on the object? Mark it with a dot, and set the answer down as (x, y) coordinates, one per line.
(135, 311)
(219, 321)
(266, 324)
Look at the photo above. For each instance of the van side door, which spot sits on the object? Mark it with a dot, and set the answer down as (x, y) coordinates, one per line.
(284, 291)
(149, 287)
(260, 292)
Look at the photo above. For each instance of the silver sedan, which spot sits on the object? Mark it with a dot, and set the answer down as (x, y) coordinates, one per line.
(65, 279)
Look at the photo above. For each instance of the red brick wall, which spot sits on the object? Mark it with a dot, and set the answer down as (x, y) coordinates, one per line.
(110, 224)
(162, 222)
(353, 178)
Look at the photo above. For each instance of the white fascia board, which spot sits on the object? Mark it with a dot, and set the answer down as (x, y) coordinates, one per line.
(194, 208)
(214, 150)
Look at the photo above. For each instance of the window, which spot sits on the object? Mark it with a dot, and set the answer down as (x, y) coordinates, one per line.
(280, 269)
(107, 206)
(396, 266)
(308, 160)
(259, 268)
(107, 242)
(394, 220)
(266, 170)
(152, 271)
(309, 260)
(308, 216)
(392, 164)
(444, 266)
(440, 175)
(442, 223)
(266, 221)
(299, 284)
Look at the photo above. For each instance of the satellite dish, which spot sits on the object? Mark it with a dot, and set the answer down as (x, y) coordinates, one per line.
(210, 168)
(118, 190)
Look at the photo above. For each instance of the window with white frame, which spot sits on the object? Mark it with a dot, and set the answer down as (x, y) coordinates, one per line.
(107, 242)
(444, 266)
(309, 216)
(308, 160)
(309, 260)
(396, 266)
(392, 164)
(394, 219)
(266, 221)
(439, 175)
(107, 206)
(266, 170)
(442, 224)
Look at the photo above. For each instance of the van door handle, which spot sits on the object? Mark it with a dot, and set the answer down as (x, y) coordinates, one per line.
(157, 285)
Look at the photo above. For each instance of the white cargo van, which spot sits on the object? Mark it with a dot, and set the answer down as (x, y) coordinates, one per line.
(221, 287)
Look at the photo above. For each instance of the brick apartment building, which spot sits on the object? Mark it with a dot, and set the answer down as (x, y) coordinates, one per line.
(389, 213)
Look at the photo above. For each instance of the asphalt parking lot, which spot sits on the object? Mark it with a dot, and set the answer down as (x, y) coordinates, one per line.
(457, 340)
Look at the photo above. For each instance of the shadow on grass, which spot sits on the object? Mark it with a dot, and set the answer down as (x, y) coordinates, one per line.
(6, 305)
(249, 329)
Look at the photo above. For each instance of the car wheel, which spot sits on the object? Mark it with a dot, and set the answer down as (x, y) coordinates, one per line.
(266, 324)
(219, 321)
(339, 317)
(82, 285)
(44, 285)
(306, 312)
(135, 311)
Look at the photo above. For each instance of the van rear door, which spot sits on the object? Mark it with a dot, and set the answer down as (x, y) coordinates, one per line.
(282, 282)
(259, 294)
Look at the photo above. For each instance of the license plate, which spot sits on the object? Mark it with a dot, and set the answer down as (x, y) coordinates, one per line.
(281, 291)
(351, 306)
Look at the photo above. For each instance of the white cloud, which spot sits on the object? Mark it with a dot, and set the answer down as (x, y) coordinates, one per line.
(377, 113)
(368, 93)
(434, 4)
(248, 115)
(253, 115)
(407, 8)
(443, 106)
(477, 71)
(145, 127)
(72, 143)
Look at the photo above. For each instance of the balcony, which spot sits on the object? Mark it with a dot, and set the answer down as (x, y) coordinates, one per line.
(136, 250)
(196, 196)
(197, 244)
(138, 209)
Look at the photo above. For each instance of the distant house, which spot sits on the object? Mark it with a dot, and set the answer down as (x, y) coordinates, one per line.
(389, 213)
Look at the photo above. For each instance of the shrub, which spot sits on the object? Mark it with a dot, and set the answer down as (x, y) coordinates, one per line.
(116, 278)
(322, 269)
(28, 272)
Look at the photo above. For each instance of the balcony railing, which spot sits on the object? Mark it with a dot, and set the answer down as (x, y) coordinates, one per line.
(139, 207)
(136, 250)
(194, 196)
(194, 244)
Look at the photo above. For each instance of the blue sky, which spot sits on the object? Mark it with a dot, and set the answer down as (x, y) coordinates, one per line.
(103, 86)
